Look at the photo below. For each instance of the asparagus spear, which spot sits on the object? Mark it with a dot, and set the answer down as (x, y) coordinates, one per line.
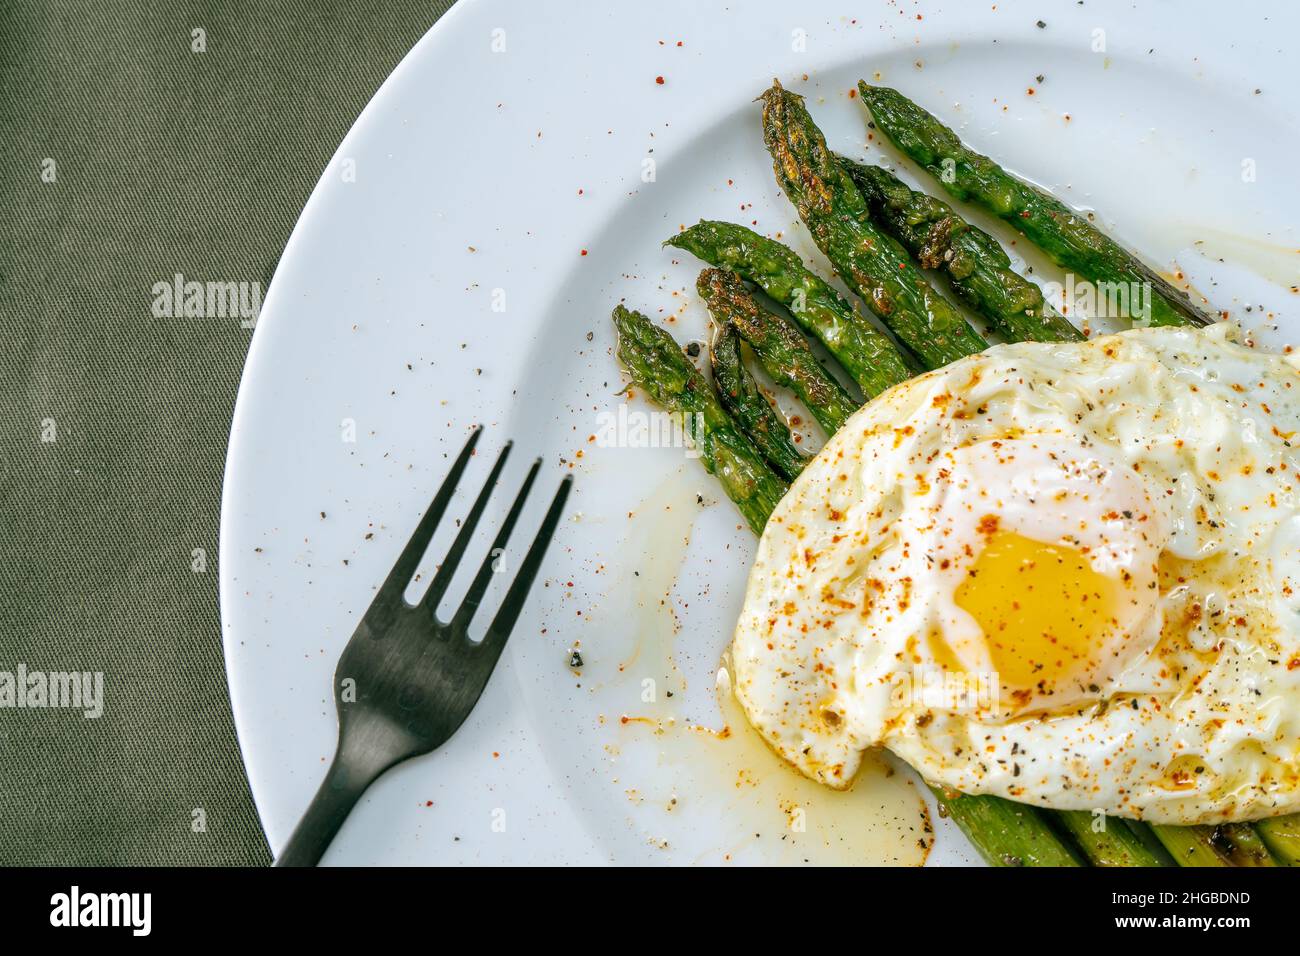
(657, 365)
(874, 265)
(781, 348)
(1116, 845)
(976, 265)
(746, 404)
(1190, 846)
(1241, 844)
(1063, 233)
(1006, 833)
(1282, 836)
(868, 355)
(1149, 840)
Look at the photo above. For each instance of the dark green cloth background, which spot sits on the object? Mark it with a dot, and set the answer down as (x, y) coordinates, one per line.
(167, 161)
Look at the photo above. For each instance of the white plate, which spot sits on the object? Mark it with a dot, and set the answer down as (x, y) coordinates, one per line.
(503, 162)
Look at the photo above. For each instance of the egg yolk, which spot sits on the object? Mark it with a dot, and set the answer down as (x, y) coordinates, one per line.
(1046, 615)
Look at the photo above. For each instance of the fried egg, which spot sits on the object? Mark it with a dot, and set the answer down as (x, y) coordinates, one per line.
(1062, 574)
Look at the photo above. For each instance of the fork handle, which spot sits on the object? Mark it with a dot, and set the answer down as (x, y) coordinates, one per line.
(338, 794)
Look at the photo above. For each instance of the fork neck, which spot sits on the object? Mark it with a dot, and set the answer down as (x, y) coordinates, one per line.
(351, 772)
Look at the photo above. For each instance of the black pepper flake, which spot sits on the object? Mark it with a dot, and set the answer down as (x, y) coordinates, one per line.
(693, 349)
(575, 659)
(1041, 25)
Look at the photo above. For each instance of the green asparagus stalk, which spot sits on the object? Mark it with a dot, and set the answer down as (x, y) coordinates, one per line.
(1149, 840)
(977, 267)
(1282, 836)
(1191, 846)
(657, 365)
(781, 348)
(752, 411)
(1241, 844)
(866, 353)
(1116, 845)
(874, 265)
(1065, 234)
(1006, 833)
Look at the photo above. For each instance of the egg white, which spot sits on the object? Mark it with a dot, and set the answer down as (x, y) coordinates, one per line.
(1190, 712)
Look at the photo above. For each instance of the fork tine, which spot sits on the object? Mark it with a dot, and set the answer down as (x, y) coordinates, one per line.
(390, 591)
(473, 597)
(443, 577)
(505, 618)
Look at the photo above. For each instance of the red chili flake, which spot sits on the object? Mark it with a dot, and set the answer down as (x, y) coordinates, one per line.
(659, 80)
(1030, 91)
(679, 43)
(584, 252)
(852, 93)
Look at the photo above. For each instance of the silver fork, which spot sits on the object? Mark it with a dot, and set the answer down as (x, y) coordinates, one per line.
(407, 680)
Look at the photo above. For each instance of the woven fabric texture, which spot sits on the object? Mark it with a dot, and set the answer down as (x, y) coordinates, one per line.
(141, 141)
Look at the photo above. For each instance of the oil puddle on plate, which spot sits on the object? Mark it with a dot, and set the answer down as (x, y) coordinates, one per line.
(1272, 261)
(1263, 277)
(687, 759)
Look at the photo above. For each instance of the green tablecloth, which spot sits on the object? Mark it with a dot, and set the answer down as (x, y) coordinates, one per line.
(131, 149)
